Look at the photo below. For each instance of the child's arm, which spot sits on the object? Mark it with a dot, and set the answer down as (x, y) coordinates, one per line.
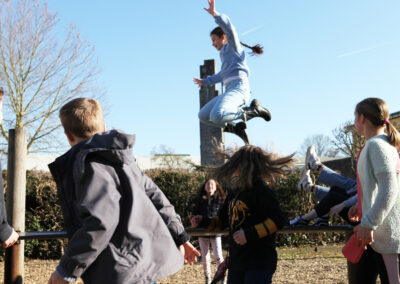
(166, 210)
(268, 205)
(335, 210)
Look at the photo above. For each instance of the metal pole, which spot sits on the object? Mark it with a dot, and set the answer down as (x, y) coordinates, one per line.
(210, 137)
(16, 184)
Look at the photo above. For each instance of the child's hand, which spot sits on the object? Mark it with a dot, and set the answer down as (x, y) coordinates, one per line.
(335, 210)
(195, 220)
(198, 81)
(190, 253)
(353, 213)
(55, 278)
(239, 237)
(211, 8)
(365, 236)
(11, 240)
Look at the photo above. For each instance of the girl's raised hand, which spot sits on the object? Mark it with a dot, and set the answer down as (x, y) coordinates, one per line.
(198, 81)
(211, 9)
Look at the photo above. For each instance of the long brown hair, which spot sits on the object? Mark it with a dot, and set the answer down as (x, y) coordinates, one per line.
(219, 192)
(255, 49)
(377, 112)
(253, 163)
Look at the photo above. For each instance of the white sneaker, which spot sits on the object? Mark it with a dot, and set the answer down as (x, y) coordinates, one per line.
(305, 182)
(312, 160)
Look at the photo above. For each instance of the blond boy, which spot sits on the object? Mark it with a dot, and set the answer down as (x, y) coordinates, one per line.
(121, 227)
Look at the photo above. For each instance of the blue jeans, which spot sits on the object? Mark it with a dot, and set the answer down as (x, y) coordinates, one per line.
(250, 276)
(320, 192)
(226, 107)
(332, 178)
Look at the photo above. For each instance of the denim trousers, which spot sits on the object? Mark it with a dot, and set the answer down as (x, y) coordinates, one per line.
(261, 276)
(226, 107)
(332, 178)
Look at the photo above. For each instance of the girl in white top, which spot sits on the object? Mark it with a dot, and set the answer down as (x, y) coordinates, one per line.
(379, 180)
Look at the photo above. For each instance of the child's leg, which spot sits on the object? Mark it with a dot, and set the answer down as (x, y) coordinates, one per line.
(392, 267)
(205, 255)
(332, 178)
(334, 197)
(229, 107)
(310, 215)
(320, 192)
(205, 111)
(217, 249)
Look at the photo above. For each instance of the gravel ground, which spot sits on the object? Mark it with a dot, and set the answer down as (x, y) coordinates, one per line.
(295, 265)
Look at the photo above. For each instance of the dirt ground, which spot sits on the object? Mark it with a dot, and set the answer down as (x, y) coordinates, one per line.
(323, 264)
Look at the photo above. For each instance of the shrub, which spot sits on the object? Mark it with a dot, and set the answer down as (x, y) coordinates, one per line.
(43, 212)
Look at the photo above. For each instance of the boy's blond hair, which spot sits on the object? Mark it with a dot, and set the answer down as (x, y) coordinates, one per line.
(82, 117)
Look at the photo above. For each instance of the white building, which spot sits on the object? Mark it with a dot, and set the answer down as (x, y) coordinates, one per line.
(40, 162)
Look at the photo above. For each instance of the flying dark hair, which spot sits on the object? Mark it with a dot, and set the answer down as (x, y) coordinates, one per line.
(255, 50)
(253, 164)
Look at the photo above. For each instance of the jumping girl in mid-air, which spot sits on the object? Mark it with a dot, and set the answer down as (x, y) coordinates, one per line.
(223, 110)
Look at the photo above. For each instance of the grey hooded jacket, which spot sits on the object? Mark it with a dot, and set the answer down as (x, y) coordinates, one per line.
(121, 227)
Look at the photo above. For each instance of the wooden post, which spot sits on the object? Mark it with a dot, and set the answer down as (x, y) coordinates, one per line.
(16, 184)
(209, 133)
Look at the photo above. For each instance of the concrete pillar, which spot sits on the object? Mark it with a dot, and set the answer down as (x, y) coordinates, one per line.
(209, 133)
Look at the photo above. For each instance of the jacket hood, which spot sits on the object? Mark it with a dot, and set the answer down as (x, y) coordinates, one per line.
(113, 146)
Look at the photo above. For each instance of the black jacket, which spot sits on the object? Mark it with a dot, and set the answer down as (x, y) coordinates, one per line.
(121, 227)
(245, 210)
(206, 210)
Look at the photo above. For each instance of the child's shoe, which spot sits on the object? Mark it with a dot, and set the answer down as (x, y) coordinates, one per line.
(321, 222)
(256, 110)
(239, 129)
(298, 221)
(305, 182)
(312, 160)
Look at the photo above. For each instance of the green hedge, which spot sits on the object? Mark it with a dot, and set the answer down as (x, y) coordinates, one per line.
(180, 186)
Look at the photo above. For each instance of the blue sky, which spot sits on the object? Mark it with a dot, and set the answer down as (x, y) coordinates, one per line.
(321, 58)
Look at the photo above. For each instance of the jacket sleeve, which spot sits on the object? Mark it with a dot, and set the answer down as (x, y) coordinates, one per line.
(5, 228)
(212, 79)
(384, 170)
(233, 39)
(97, 206)
(351, 201)
(272, 216)
(166, 210)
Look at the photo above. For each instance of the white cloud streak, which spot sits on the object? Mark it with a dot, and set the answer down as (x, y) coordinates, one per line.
(362, 50)
(252, 30)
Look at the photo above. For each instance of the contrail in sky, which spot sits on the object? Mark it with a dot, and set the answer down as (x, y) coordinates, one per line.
(361, 50)
(252, 30)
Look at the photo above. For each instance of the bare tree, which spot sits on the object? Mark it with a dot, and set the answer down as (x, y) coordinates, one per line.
(347, 141)
(39, 71)
(322, 143)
